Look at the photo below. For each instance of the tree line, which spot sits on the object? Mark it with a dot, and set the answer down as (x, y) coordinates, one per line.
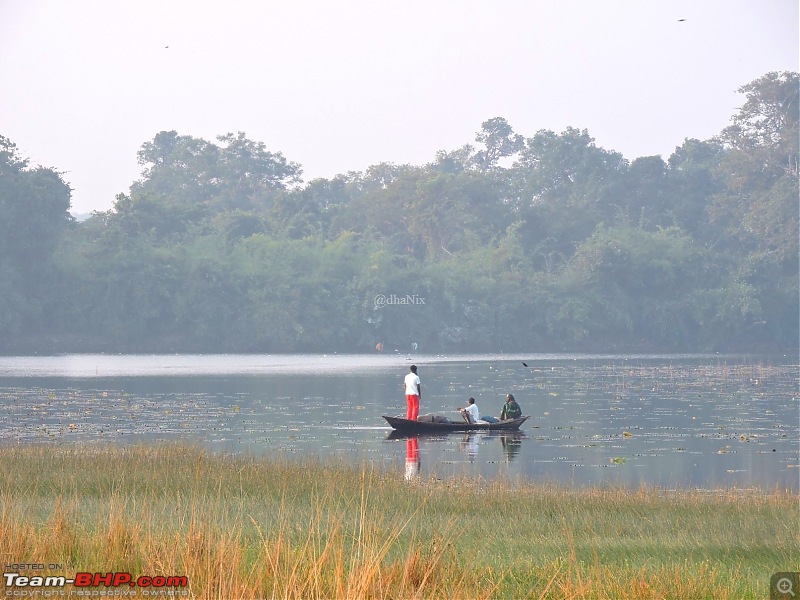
(510, 243)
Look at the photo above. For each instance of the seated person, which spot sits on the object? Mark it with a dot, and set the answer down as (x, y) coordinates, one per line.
(511, 409)
(470, 413)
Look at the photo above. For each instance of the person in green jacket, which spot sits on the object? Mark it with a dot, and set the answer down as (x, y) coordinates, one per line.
(511, 409)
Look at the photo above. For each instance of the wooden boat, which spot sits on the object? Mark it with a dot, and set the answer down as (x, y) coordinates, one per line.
(516, 434)
(406, 426)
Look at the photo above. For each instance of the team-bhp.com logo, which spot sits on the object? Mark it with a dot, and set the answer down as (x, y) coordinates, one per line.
(382, 300)
(150, 586)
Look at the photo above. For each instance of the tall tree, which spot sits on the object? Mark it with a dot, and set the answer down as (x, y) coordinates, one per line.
(249, 172)
(239, 173)
(34, 214)
(693, 173)
(565, 185)
(647, 194)
(498, 140)
(759, 204)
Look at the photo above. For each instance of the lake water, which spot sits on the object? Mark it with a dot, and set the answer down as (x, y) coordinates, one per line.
(677, 421)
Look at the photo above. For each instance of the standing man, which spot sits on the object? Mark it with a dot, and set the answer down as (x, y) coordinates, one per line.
(413, 394)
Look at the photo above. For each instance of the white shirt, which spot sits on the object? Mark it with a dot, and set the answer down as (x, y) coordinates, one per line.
(472, 409)
(412, 384)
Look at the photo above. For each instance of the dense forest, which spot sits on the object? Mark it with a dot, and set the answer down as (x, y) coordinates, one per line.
(512, 243)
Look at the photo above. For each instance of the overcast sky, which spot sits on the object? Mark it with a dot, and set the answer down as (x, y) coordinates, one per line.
(338, 86)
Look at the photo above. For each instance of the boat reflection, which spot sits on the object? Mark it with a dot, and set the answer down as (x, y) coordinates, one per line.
(469, 443)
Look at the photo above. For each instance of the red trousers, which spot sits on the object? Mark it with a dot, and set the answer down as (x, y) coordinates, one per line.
(412, 411)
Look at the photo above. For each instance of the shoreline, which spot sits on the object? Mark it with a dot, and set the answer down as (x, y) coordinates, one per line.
(51, 345)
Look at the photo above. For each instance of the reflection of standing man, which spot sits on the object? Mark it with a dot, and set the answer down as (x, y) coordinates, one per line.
(412, 458)
(413, 394)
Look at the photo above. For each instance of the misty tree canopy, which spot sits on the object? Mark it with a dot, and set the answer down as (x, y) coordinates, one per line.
(537, 243)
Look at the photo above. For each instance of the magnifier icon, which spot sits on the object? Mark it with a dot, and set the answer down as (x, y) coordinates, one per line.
(784, 586)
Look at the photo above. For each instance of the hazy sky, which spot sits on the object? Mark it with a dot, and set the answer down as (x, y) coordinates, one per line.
(338, 86)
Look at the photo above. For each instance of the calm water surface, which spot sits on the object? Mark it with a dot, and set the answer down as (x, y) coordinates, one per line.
(688, 421)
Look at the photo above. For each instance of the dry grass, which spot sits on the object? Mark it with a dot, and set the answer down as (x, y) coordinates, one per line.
(240, 527)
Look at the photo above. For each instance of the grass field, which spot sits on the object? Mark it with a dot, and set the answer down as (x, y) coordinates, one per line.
(244, 527)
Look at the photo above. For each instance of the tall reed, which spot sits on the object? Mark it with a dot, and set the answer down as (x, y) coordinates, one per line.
(244, 527)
